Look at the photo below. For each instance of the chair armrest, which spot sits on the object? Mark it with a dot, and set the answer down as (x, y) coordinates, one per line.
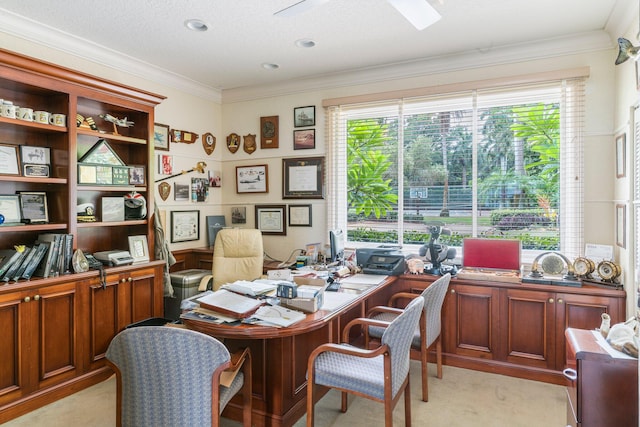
(362, 321)
(383, 309)
(238, 358)
(349, 350)
(204, 282)
(400, 295)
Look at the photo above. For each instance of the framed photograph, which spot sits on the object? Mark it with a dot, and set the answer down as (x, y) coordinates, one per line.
(304, 139)
(199, 189)
(621, 155)
(9, 164)
(271, 219)
(304, 116)
(181, 192)
(35, 155)
(303, 178)
(139, 248)
(161, 136)
(120, 175)
(239, 215)
(621, 225)
(87, 174)
(33, 207)
(300, 215)
(165, 164)
(10, 208)
(185, 226)
(269, 132)
(252, 179)
(104, 175)
(136, 175)
(112, 209)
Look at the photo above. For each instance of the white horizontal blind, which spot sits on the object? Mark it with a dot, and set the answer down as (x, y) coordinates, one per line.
(461, 155)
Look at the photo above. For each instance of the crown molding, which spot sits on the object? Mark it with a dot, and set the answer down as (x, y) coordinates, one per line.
(549, 48)
(51, 38)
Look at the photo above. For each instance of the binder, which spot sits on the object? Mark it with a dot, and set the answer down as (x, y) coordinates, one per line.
(25, 262)
(229, 303)
(40, 253)
(15, 265)
(7, 257)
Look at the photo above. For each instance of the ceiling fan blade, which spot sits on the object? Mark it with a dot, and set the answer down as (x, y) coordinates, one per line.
(419, 12)
(300, 7)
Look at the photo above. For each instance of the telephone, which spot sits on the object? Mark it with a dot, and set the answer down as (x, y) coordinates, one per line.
(94, 264)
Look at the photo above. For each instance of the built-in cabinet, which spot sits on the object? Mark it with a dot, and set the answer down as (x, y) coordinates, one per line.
(513, 328)
(55, 330)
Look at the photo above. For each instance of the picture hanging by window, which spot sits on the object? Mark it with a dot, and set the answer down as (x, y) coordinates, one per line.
(304, 116)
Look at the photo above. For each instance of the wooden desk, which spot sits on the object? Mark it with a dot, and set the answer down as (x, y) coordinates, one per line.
(280, 355)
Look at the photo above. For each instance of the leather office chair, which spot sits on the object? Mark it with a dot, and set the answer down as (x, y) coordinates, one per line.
(171, 376)
(379, 374)
(237, 255)
(429, 331)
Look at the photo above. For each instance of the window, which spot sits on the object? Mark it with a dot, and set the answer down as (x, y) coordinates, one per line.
(496, 162)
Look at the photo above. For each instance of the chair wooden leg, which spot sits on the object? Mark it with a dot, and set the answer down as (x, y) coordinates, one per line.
(407, 404)
(424, 352)
(439, 356)
(345, 397)
(310, 402)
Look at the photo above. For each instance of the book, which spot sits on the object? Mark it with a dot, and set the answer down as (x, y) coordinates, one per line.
(279, 316)
(7, 257)
(45, 265)
(25, 262)
(255, 288)
(39, 255)
(229, 303)
(68, 253)
(15, 265)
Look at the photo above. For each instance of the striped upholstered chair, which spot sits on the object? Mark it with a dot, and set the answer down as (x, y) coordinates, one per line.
(380, 374)
(171, 377)
(428, 332)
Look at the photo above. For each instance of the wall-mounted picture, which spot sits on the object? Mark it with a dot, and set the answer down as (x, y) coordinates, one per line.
(269, 132)
(252, 179)
(304, 139)
(9, 164)
(271, 219)
(199, 189)
(621, 155)
(185, 226)
(303, 178)
(300, 215)
(136, 175)
(621, 225)
(239, 215)
(165, 164)
(33, 207)
(215, 178)
(181, 192)
(304, 116)
(161, 136)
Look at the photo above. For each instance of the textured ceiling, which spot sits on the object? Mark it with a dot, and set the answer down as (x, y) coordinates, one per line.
(349, 34)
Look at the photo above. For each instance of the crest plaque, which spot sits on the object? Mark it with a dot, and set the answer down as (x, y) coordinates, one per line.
(233, 142)
(208, 143)
(164, 189)
(249, 143)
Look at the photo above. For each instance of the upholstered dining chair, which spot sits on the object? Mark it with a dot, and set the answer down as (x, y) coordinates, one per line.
(170, 376)
(380, 374)
(429, 329)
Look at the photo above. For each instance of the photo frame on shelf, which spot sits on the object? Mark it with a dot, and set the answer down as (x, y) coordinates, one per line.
(87, 174)
(112, 209)
(621, 155)
(104, 175)
(139, 248)
(252, 179)
(269, 131)
(304, 116)
(137, 175)
(185, 226)
(102, 154)
(9, 163)
(10, 209)
(161, 137)
(271, 219)
(304, 139)
(120, 175)
(35, 155)
(303, 178)
(621, 225)
(300, 215)
(33, 207)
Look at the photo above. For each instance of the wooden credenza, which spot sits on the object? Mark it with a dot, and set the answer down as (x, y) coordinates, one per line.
(603, 390)
(516, 329)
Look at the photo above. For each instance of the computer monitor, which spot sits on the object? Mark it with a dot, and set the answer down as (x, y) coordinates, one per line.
(336, 244)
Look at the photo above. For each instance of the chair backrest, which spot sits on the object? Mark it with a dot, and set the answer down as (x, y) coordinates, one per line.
(166, 375)
(433, 299)
(237, 255)
(398, 336)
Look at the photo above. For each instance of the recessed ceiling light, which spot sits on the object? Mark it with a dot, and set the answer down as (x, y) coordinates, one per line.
(196, 25)
(270, 66)
(305, 43)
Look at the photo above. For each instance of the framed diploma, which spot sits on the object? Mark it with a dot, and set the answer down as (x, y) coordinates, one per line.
(10, 209)
(185, 226)
(9, 164)
(271, 219)
(33, 207)
(300, 215)
(303, 178)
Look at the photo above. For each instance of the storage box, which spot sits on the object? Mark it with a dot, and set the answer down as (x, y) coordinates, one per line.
(185, 284)
(308, 305)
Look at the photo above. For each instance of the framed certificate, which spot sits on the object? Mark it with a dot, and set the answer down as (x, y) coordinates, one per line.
(9, 164)
(271, 219)
(10, 209)
(33, 207)
(303, 178)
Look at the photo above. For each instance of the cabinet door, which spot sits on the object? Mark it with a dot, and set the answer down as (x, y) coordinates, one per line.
(15, 339)
(529, 328)
(103, 317)
(142, 293)
(55, 322)
(473, 322)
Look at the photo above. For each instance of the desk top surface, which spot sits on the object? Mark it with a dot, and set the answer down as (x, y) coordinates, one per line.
(312, 321)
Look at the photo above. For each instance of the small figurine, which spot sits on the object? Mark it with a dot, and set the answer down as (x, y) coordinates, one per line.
(116, 122)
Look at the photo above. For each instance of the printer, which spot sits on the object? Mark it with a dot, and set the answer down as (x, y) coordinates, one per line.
(385, 260)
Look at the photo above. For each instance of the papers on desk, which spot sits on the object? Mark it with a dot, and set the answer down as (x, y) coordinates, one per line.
(229, 303)
(363, 279)
(255, 288)
(207, 315)
(335, 300)
(278, 315)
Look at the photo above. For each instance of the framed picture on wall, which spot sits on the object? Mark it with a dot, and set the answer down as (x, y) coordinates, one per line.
(621, 225)
(161, 136)
(185, 226)
(621, 155)
(304, 139)
(271, 219)
(304, 116)
(252, 179)
(303, 178)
